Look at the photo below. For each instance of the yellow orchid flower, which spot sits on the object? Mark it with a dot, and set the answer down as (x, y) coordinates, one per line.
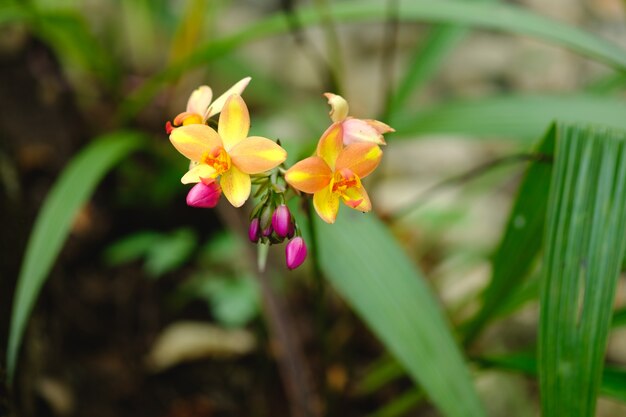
(355, 130)
(199, 105)
(228, 153)
(335, 173)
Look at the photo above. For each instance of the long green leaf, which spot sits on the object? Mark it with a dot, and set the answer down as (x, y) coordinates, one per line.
(370, 270)
(613, 379)
(584, 247)
(522, 237)
(72, 189)
(523, 117)
(472, 14)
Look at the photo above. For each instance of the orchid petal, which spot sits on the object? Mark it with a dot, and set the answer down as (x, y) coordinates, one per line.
(357, 198)
(199, 100)
(235, 186)
(256, 154)
(361, 158)
(338, 107)
(234, 122)
(357, 130)
(309, 175)
(193, 140)
(326, 204)
(379, 126)
(217, 106)
(197, 173)
(330, 144)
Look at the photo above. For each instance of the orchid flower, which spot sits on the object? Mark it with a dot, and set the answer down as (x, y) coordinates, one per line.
(355, 130)
(228, 153)
(335, 173)
(200, 108)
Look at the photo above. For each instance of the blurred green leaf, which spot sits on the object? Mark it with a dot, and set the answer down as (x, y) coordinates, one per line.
(234, 302)
(379, 374)
(522, 117)
(521, 241)
(400, 405)
(619, 317)
(501, 17)
(613, 379)
(584, 248)
(130, 248)
(70, 192)
(170, 252)
(371, 271)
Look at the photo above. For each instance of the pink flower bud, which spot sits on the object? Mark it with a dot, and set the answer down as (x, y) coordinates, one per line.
(295, 252)
(204, 194)
(254, 231)
(267, 231)
(281, 219)
(292, 230)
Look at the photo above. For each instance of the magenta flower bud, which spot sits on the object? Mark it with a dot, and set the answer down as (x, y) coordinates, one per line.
(295, 252)
(254, 231)
(204, 194)
(281, 219)
(268, 231)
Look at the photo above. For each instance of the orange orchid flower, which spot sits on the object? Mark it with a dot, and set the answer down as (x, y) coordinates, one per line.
(335, 173)
(228, 153)
(199, 105)
(355, 130)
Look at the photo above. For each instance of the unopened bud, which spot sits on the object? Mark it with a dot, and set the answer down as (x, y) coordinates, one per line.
(254, 231)
(204, 194)
(295, 252)
(281, 219)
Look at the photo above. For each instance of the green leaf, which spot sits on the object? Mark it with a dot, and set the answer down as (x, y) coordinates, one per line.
(169, 252)
(522, 237)
(522, 117)
(52, 226)
(613, 379)
(370, 270)
(584, 247)
(486, 15)
(619, 318)
(130, 248)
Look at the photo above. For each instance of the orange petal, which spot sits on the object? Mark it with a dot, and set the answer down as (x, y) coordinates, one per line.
(379, 126)
(338, 107)
(234, 122)
(309, 175)
(361, 158)
(326, 204)
(197, 173)
(199, 100)
(235, 186)
(217, 106)
(357, 130)
(193, 140)
(330, 144)
(257, 154)
(357, 198)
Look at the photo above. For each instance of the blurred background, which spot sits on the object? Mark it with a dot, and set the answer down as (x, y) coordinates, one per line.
(155, 308)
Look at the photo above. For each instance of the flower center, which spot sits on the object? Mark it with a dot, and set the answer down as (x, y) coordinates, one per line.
(218, 159)
(344, 180)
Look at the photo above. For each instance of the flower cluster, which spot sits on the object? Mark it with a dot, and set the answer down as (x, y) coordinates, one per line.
(347, 152)
(226, 161)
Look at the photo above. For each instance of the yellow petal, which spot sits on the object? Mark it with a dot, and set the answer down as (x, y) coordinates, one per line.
(330, 144)
(235, 186)
(193, 140)
(199, 100)
(360, 158)
(256, 154)
(326, 204)
(234, 122)
(196, 173)
(338, 107)
(309, 175)
(357, 198)
(217, 106)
